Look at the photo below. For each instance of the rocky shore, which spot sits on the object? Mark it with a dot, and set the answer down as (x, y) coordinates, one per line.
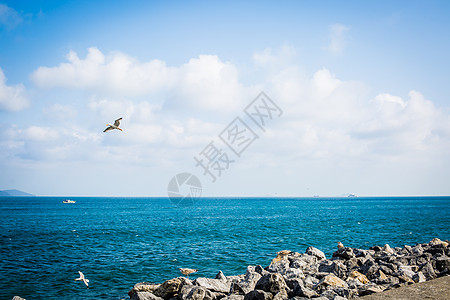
(349, 274)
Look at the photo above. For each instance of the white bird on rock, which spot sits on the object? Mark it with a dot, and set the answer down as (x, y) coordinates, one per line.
(82, 278)
(113, 126)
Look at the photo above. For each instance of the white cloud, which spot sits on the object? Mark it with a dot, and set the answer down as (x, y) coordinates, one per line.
(338, 38)
(116, 73)
(203, 84)
(9, 17)
(12, 98)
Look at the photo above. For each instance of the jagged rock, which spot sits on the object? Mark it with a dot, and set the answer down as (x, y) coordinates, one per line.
(355, 275)
(215, 285)
(437, 241)
(417, 250)
(443, 265)
(310, 281)
(428, 271)
(169, 288)
(369, 268)
(281, 295)
(419, 277)
(331, 280)
(335, 267)
(297, 288)
(329, 294)
(294, 273)
(196, 293)
(315, 252)
(143, 287)
(221, 276)
(281, 267)
(247, 284)
(344, 253)
(369, 289)
(144, 296)
(272, 283)
(234, 297)
(304, 262)
(388, 249)
(406, 270)
(339, 298)
(376, 248)
(258, 295)
(259, 269)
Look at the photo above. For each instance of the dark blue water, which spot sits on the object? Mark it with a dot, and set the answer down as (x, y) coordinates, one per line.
(117, 242)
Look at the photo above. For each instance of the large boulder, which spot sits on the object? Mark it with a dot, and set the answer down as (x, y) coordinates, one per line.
(272, 283)
(355, 275)
(215, 285)
(169, 288)
(315, 252)
(258, 295)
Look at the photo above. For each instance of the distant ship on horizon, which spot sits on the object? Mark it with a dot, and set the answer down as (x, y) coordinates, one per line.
(69, 201)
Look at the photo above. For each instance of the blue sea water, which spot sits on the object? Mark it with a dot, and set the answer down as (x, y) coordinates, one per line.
(117, 242)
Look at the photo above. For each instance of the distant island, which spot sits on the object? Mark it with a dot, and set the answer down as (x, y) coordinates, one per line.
(14, 193)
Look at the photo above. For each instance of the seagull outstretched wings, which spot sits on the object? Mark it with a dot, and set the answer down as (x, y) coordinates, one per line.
(82, 278)
(113, 126)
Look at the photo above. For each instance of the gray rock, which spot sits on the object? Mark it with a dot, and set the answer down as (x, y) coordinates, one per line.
(417, 250)
(170, 287)
(259, 269)
(18, 298)
(141, 296)
(369, 289)
(337, 297)
(335, 267)
(310, 281)
(419, 277)
(215, 285)
(258, 295)
(344, 253)
(428, 271)
(443, 265)
(315, 252)
(234, 297)
(407, 271)
(272, 283)
(329, 294)
(196, 293)
(281, 267)
(281, 295)
(221, 276)
(298, 288)
(294, 273)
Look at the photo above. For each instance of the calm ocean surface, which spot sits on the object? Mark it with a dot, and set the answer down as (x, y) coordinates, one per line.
(117, 242)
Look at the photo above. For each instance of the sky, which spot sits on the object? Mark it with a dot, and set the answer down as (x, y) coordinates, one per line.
(355, 97)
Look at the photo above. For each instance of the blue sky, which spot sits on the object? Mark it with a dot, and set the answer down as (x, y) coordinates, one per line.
(363, 86)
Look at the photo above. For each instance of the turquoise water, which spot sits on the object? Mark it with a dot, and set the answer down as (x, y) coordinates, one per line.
(117, 242)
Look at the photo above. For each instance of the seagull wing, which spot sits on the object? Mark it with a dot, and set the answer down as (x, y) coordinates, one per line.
(108, 128)
(117, 122)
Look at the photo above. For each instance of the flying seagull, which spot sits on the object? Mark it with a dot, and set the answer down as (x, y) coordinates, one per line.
(187, 271)
(83, 279)
(115, 126)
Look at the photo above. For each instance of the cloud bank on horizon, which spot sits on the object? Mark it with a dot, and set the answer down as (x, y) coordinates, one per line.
(336, 135)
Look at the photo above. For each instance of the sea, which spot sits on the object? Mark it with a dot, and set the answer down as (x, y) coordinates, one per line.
(120, 241)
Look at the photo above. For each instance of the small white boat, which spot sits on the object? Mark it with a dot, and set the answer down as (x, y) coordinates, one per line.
(69, 201)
